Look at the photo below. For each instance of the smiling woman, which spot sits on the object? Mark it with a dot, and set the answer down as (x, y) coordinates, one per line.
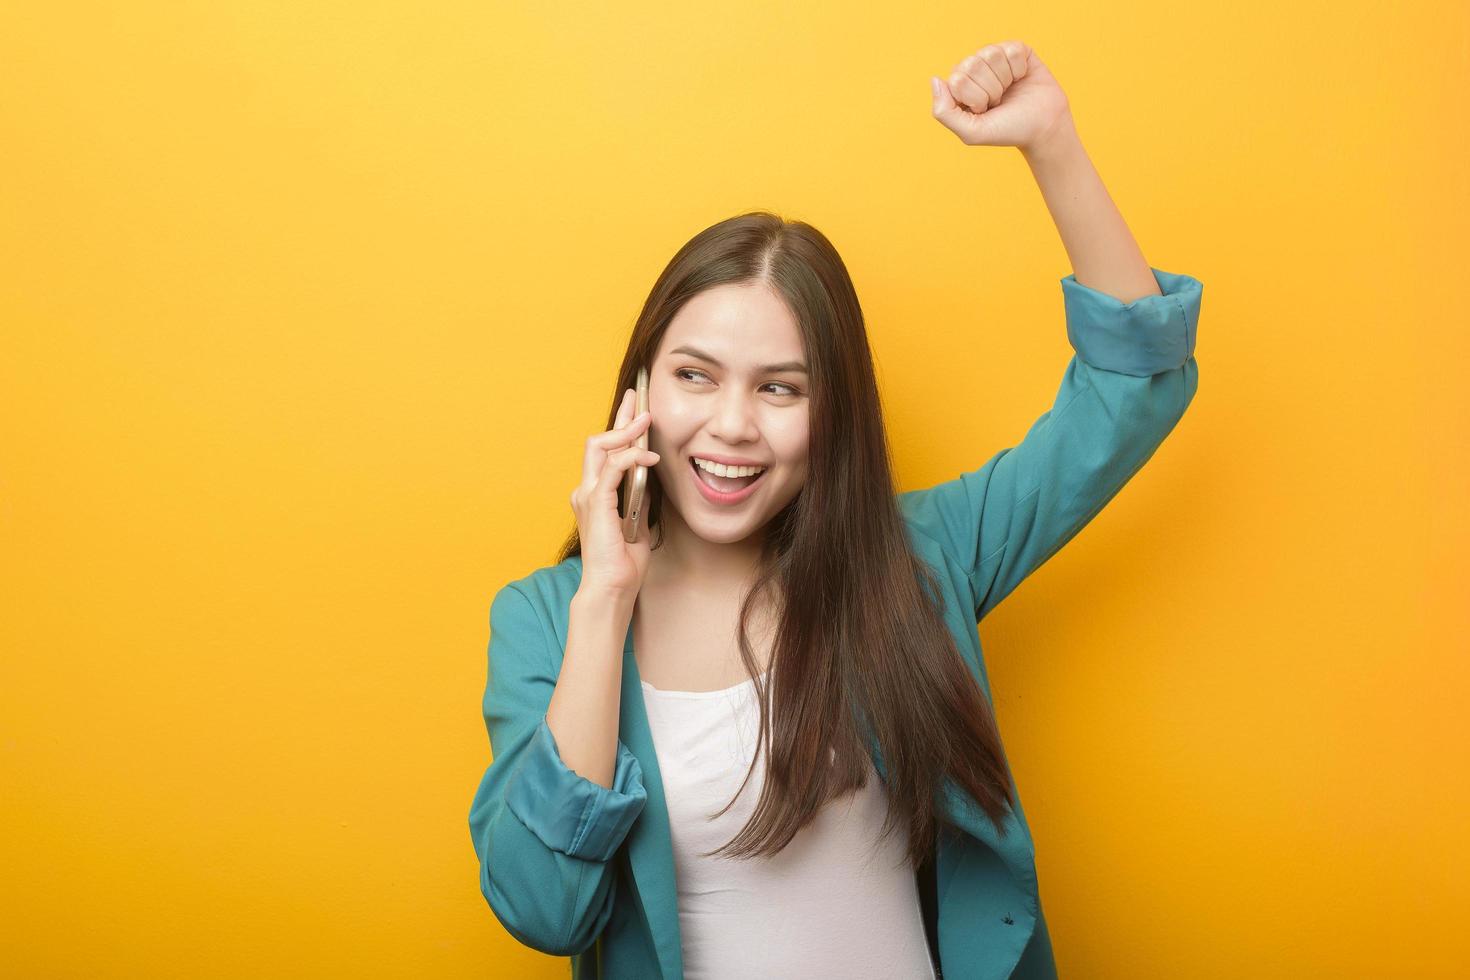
(774, 528)
(772, 482)
(727, 406)
(849, 611)
(759, 357)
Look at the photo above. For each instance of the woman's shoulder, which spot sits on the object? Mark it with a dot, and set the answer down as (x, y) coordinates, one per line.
(549, 588)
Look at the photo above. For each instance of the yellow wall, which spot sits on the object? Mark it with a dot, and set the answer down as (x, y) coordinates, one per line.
(307, 309)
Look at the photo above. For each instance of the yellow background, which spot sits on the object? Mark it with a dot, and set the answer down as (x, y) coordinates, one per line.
(307, 311)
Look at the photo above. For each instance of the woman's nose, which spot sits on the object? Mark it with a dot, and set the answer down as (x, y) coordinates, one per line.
(734, 419)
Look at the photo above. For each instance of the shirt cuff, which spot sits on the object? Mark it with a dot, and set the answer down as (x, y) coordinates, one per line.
(1148, 336)
(571, 813)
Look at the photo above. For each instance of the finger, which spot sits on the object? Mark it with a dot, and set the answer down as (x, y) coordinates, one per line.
(593, 452)
(952, 115)
(1017, 57)
(944, 101)
(625, 408)
(967, 92)
(619, 463)
(993, 57)
(624, 434)
(600, 445)
(600, 482)
(975, 72)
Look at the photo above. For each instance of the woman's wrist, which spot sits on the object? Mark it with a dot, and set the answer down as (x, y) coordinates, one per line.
(603, 604)
(1059, 143)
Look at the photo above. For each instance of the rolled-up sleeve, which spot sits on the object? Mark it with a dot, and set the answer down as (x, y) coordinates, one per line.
(1148, 336)
(1129, 382)
(569, 812)
(544, 835)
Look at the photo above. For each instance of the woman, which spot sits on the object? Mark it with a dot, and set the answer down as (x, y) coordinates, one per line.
(684, 727)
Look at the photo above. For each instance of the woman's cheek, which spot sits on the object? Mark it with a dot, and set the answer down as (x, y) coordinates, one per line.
(790, 437)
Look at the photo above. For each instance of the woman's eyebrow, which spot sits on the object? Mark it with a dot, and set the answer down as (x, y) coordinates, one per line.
(796, 367)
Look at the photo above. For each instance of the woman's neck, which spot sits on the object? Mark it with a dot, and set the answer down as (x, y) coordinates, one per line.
(683, 560)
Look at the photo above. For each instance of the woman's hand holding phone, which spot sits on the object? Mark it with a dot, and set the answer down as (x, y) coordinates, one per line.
(611, 564)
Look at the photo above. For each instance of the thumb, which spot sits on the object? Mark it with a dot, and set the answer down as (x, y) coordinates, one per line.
(945, 105)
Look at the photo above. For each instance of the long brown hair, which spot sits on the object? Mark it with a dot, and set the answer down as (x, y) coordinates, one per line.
(863, 651)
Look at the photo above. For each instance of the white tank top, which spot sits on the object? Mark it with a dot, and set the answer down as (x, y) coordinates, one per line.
(834, 903)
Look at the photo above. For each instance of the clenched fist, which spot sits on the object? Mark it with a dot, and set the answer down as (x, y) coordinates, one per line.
(1002, 95)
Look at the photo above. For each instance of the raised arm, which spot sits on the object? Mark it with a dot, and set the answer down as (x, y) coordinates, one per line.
(1121, 394)
(1004, 96)
(1133, 328)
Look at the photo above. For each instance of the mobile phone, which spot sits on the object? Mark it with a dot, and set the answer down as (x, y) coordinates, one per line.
(635, 480)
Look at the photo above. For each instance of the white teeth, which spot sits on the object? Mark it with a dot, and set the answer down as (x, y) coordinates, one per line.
(720, 469)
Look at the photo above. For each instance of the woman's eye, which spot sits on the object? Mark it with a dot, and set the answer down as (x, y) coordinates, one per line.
(790, 392)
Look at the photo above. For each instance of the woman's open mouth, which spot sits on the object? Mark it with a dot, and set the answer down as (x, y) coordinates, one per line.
(737, 488)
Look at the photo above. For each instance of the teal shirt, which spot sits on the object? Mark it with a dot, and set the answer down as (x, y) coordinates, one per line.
(572, 868)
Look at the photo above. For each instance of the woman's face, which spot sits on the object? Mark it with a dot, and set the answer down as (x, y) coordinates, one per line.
(729, 381)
